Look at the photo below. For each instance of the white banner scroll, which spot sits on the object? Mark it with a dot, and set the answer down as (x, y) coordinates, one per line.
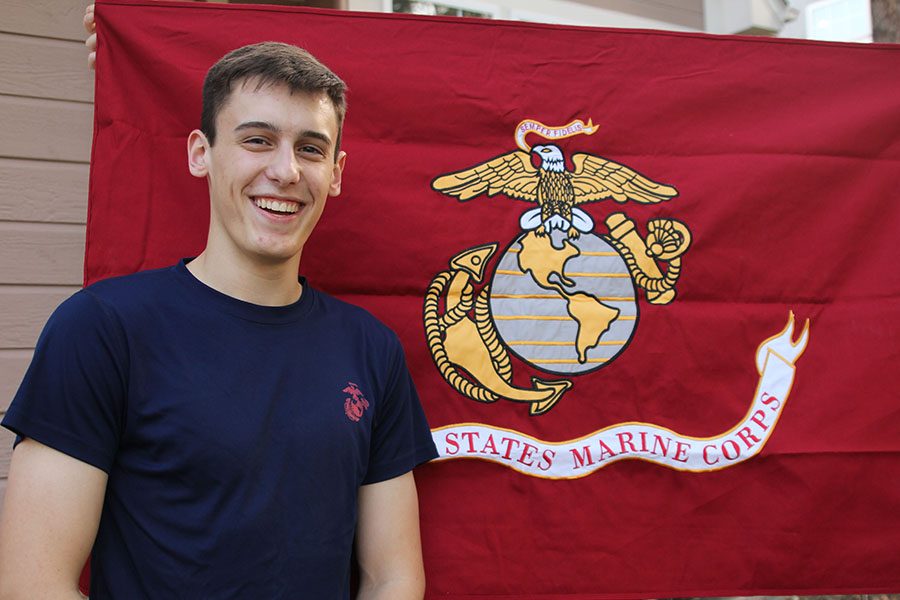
(775, 359)
(576, 127)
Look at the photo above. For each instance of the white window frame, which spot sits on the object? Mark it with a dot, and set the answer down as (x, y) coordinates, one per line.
(812, 7)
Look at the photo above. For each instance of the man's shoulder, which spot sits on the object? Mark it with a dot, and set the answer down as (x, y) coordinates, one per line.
(353, 317)
(120, 297)
(140, 286)
(105, 310)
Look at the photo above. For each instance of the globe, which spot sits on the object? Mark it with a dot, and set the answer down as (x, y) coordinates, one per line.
(564, 306)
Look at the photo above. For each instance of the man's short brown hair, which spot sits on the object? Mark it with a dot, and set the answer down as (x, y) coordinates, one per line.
(269, 63)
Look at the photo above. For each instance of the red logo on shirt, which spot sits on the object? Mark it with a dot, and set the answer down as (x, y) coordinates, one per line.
(355, 404)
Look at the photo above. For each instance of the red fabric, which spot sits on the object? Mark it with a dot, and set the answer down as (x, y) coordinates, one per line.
(785, 155)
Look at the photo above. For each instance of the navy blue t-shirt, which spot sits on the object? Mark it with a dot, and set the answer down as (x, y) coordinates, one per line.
(235, 436)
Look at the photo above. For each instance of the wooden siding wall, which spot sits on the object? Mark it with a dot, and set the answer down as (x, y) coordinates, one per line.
(46, 107)
(686, 13)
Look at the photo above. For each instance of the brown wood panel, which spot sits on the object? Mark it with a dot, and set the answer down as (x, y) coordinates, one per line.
(332, 4)
(695, 6)
(13, 364)
(44, 68)
(48, 18)
(25, 309)
(41, 253)
(42, 191)
(45, 129)
(687, 13)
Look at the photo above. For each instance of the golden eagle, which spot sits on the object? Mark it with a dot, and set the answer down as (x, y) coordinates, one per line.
(555, 189)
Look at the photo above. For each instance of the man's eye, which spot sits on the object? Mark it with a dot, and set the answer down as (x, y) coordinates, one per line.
(310, 149)
(256, 141)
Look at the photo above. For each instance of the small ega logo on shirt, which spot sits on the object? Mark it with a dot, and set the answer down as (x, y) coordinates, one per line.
(355, 404)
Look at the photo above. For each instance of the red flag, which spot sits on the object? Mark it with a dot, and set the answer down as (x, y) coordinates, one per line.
(646, 282)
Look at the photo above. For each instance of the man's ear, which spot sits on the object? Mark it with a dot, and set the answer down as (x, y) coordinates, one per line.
(337, 172)
(198, 153)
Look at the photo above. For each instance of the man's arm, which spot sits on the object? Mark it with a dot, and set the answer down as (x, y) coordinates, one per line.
(50, 517)
(388, 546)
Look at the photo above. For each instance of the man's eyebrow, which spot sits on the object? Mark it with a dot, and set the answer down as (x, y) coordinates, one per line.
(257, 125)
(318, 135)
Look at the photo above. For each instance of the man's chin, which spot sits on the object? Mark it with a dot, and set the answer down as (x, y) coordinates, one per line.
(278, 253)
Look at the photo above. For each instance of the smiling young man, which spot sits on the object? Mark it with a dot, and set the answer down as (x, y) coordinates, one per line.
(220, 428)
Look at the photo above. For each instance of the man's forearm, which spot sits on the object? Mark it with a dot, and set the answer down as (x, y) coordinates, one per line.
(29, 591)
(408, 588)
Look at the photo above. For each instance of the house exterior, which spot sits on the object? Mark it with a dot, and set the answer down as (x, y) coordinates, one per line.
(46, 103)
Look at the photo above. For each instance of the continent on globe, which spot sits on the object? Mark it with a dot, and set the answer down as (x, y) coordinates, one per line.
(593, 318)
(540, 259)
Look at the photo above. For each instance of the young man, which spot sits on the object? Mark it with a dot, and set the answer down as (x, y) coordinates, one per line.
(222, 428)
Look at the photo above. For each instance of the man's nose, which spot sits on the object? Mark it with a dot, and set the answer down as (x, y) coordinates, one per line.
(284, 166)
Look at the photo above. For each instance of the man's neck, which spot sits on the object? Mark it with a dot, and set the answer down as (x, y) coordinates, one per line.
(273, 284)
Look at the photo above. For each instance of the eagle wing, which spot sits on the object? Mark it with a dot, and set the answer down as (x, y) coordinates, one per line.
(596, 178)
(511, 174)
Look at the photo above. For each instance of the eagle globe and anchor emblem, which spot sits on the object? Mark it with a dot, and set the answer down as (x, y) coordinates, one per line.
(563, 295)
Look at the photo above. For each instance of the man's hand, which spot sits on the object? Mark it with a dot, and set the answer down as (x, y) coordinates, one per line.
(387, 541)
(50, 517)
(91, 28)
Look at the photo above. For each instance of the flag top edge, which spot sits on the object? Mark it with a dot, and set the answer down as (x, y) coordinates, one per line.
(447, 20)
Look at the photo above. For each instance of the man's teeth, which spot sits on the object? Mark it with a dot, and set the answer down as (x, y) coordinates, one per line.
(277, 205)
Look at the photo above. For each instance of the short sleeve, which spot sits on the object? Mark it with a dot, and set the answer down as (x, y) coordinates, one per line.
(72, 398)
(401, 439)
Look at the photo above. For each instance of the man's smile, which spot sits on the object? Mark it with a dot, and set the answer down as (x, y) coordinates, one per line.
(275, 205)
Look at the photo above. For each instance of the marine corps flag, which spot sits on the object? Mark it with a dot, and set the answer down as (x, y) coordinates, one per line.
(646, 282)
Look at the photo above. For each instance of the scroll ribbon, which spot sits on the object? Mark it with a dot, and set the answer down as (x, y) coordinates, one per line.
(775, 359)
(576, 127)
